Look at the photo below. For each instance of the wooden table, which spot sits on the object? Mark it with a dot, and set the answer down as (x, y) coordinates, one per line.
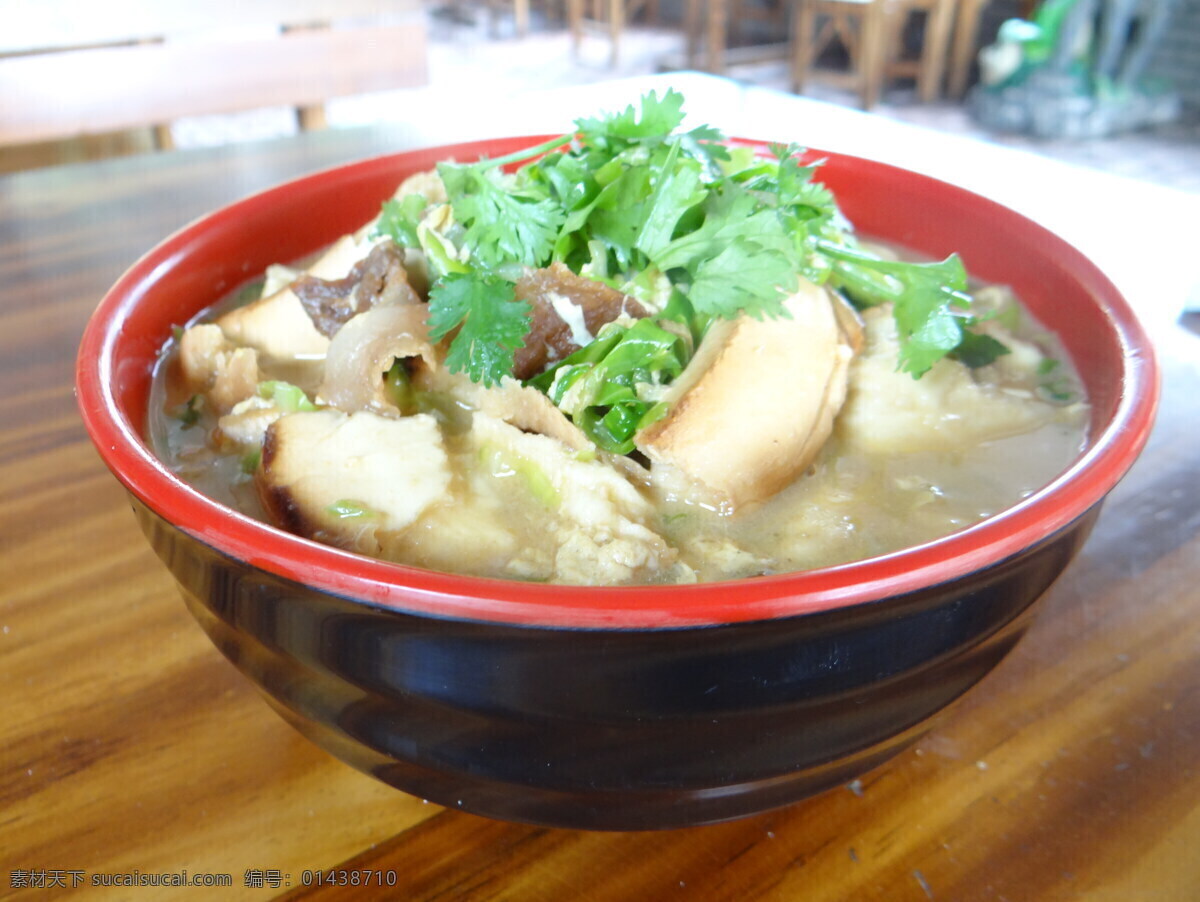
(131, 747)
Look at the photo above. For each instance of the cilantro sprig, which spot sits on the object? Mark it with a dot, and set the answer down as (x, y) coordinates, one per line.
(692, 226)
(491, 324)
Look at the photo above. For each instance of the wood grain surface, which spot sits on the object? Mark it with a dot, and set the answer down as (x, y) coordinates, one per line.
(129, 746)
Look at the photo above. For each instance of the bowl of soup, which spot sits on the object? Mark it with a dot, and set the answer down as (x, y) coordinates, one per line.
(464, 582)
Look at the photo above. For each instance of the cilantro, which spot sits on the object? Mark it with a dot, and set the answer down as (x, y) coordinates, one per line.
(744, 278)
(929, 301)
(979, 349)
(738, 260)
(491, 324)
(633, 201)
(658, 119)
(615, 218)
(399, 219)
(503, 224)
(677, 190)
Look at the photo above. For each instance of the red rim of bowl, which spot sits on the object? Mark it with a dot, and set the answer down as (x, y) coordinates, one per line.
(1110, 453)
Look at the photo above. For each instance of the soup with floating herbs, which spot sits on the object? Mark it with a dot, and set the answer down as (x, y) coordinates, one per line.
(634, 354)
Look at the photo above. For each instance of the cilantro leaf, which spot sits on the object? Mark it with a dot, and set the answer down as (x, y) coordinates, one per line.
(503, 225)
(677, 190)
(929, 300)
(728, 214)
(740, 259)
(658, 119)
(491, 324)
(743, 278)
(979, 349)
(616, 216)
(794, 183)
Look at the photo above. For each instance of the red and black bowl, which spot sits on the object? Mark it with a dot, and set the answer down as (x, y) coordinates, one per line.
(613, 708)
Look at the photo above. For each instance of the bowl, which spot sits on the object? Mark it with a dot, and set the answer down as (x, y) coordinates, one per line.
(612, 708)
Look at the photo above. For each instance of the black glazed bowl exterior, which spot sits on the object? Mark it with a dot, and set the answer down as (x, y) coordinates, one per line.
(634, 708)
(611, 728)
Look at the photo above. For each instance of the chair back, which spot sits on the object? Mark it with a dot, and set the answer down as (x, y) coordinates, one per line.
(70, 68)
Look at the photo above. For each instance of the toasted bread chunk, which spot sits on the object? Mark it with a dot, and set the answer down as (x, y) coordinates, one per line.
(216, 367)
(758, 400)
(946, 409)
(596, 522)
(526, 408)
(347, 479)
(277, 326)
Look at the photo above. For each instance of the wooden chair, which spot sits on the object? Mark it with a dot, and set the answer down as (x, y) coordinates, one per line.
(608, 17)
(771, 15)
(716, 36)
(872, 33)
(70, 68)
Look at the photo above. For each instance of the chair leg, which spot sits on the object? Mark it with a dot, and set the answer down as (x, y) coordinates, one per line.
(311, 118)
(933, 50)
(692, 16)
(616, 17)
(163, 137)
(803, 21)
(575, 19)
(718, 23)
(966, 30)
(873, 50)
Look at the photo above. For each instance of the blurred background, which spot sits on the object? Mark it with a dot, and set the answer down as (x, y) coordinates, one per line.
(1109, 84)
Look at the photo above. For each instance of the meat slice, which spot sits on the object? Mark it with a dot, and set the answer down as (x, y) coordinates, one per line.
(758, 401)
(349, 479)
(568, 311)
(379, 279)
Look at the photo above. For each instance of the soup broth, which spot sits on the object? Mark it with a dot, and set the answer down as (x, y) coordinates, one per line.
(907, 461)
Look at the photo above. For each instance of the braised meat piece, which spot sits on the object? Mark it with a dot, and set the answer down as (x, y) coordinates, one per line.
(568, 311)
(379, 279)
